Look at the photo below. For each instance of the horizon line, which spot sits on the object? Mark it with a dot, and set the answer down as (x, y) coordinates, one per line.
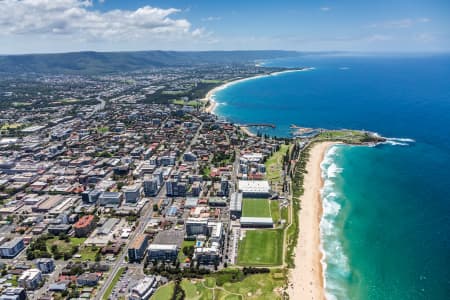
(382, 52)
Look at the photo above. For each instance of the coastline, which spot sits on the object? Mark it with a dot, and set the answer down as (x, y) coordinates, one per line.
(307, 278)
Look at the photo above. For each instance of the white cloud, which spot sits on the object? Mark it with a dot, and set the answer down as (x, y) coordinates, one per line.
(379, 38)
(425, 37)
(423, 20)
(401, 23)
(211, 18)
(77, 18)
(325, 8)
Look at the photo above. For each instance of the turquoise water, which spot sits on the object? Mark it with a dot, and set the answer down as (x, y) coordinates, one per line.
(386, 223)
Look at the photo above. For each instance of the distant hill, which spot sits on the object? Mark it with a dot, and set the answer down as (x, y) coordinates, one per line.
(111, 62)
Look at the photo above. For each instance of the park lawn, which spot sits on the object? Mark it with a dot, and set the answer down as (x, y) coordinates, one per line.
(255, 208)
(164, 292)
(88, 253)
(274, 164)
(189, 103)
(275, 211)
(261, 248)
(64, 246)
(181, 256)
(113, 283)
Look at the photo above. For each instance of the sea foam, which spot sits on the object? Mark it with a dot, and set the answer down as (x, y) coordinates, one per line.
(399, 141)
(334, 260)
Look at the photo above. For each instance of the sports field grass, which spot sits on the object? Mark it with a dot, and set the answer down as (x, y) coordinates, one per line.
(255, 208)
(261, 248)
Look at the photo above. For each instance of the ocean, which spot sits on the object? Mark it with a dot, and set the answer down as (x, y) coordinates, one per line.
(386, 223)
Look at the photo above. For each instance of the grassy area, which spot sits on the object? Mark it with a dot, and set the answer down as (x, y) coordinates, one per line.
(258, 286)
(275, 211)
(196, 290)
(11, 126)
(103, 129)
(255, 208)
(14, 280)
(252, 287)
(261, 248)
(285, 214)
(181, 92)
(69, 100)
(190, 103)
(347, 136)
(18, 104)
(274, 164)
(62, 245)
(181, 256)
(211, 81)
(163, 293)
(88, 253)
(113, 283)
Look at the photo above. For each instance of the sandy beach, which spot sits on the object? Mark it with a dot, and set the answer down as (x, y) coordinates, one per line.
(306, 279)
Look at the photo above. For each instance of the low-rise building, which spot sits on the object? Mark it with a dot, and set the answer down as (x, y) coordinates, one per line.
(207, 255)
(30, 279)
(256, 222)
(84, 226)
(13, 293)
(110, 198)
(161, 252)
(88, 279)
(254, 188)
(45, 265)
(196, 226)
(236, 205)
(91, 196)
(11, 248)
(59, 228)
(144, 289)
(132, 193)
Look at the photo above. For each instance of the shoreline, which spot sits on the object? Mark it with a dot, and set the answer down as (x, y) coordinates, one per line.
(213, 103)
(306, 280)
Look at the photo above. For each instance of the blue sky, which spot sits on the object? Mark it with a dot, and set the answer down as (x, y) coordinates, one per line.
(35, 26)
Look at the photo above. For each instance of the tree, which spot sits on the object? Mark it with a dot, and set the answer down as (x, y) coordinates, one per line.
(155, 207)
(189, 251)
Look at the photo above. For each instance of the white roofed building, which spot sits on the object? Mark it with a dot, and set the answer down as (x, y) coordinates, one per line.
(254, 188)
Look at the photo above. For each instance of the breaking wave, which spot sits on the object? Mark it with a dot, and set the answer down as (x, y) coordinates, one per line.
(334, 260)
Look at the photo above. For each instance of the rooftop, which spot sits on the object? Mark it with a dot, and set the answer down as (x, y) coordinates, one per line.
(84, 221)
